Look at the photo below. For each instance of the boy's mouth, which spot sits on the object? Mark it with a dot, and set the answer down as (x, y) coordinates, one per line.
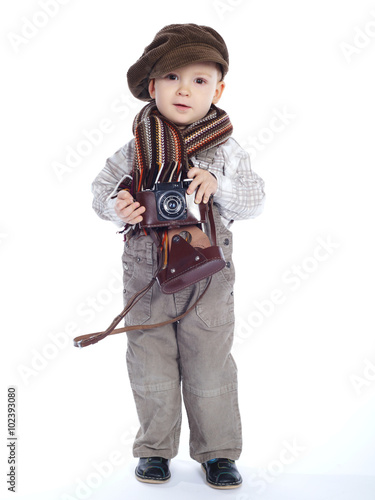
(181, 106)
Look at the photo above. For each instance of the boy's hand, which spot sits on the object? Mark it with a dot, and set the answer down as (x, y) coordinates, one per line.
(127, 209)
(204, 182)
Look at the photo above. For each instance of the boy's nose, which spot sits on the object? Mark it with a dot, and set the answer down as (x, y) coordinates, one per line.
(183, 91)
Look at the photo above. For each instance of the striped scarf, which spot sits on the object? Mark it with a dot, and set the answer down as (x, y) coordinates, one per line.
(162, 150)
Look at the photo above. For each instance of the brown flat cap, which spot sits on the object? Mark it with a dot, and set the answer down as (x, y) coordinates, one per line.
(174, 46)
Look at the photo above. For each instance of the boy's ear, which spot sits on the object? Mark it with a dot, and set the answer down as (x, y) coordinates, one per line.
(151, 88)
(218, 92)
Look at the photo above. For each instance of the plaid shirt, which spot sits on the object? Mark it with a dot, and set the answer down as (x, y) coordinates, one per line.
(240, 192)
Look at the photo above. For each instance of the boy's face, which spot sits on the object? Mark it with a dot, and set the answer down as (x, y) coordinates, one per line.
(185, 95)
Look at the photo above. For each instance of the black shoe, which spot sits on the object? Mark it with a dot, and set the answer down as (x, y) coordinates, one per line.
(222, 473)
(153, 470)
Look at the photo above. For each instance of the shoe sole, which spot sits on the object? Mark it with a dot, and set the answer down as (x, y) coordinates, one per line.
(152, 481)
(229, 487)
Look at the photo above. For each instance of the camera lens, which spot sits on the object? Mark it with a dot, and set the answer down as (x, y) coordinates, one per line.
(172, 205)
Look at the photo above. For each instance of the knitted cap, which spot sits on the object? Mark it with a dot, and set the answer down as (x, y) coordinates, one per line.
(174, 46)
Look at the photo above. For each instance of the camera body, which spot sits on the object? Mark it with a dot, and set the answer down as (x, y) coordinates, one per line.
(168, 205)
(171, 202)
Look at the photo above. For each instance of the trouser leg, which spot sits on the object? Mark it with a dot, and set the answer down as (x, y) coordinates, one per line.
(209, 377)
(152, 357)
(152, 360)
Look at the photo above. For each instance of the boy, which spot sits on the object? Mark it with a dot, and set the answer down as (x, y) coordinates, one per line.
(181, 75)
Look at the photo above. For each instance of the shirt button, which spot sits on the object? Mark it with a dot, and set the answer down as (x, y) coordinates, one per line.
(226, 241)
(228, 264)
(126, 267)
(138, 259)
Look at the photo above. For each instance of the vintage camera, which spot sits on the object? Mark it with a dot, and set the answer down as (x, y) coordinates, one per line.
(171, 200)
(168, 204)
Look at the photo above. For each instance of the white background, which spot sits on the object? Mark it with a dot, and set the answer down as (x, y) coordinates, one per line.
(307, 363)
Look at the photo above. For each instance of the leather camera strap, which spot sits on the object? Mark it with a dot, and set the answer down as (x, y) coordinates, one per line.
(93, 338)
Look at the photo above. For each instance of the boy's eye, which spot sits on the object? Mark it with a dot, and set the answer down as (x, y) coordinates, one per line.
(199, 80)
(171, 77)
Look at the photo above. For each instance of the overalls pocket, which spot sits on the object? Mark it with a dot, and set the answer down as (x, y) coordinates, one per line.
(139, 264)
